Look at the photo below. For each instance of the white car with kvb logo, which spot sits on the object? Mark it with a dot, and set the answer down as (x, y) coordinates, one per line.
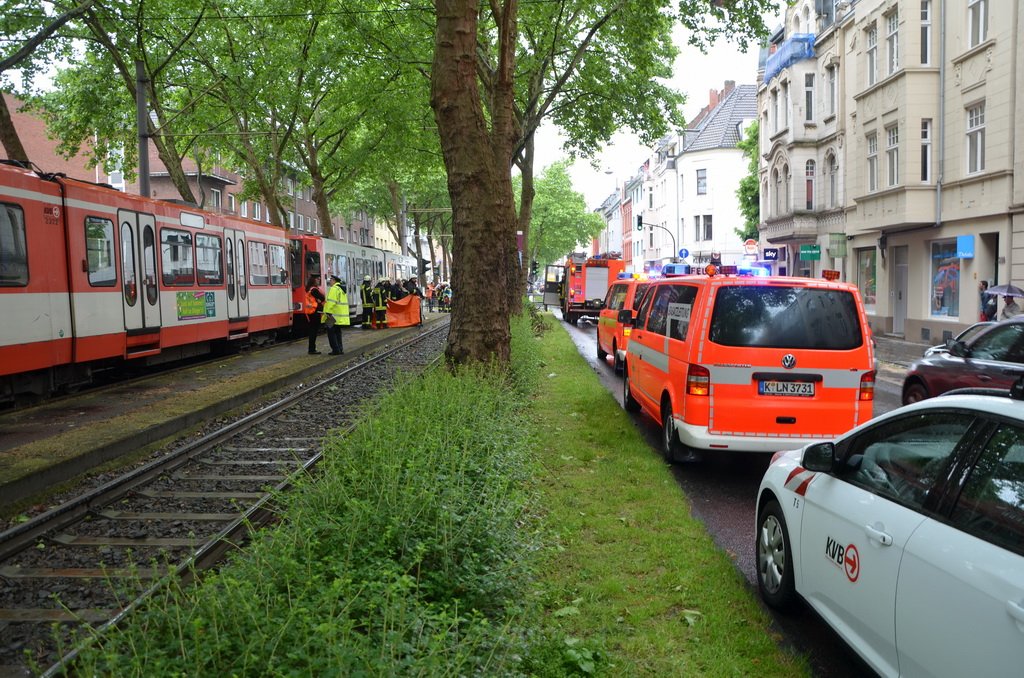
(907, 535)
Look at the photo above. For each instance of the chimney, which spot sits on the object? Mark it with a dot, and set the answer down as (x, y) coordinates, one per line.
(712, 99)
(730, 85)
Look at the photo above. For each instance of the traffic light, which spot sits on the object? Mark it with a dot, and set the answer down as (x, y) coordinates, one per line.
(639, 222)
(533, 268)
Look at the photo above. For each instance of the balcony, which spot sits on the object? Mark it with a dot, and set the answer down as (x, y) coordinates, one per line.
(796, 48)
(790, 228)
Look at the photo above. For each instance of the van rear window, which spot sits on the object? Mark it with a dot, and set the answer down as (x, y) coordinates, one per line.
(765, 316)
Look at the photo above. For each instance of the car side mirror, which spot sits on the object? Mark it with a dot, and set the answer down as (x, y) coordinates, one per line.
(625, 317)
(956, 348)
(820, 457)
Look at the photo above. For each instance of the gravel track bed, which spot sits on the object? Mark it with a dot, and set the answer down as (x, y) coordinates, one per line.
(283, 442)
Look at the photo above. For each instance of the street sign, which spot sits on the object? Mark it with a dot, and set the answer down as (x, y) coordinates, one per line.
(683, 253)
(810, 252)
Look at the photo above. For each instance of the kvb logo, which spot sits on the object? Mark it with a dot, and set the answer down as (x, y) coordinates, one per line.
(845, 557)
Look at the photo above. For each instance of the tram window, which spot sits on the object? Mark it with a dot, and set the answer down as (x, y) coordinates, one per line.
(13, 249)
(240, 267)
(278, 266)
(258, 268)
(149, 265)
(231, 269)
(131, 289)
(99, 252)
(176, 257)
(209, 263)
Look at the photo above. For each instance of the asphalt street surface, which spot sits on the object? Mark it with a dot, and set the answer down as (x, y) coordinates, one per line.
(722, 490)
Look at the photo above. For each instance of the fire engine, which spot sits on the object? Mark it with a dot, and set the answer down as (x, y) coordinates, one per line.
(586, 284)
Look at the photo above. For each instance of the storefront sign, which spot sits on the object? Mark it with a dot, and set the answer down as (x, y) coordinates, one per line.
(771, 254)
(965, 246)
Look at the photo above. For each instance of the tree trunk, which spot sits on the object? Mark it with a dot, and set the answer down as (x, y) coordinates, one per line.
(478, 161)
(520, 272)
(9, 135)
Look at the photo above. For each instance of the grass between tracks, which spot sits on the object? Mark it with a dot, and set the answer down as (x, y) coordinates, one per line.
(475, 525)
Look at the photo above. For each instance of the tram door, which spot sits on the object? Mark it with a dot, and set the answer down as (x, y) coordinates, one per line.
(140, 291)
(238, 293)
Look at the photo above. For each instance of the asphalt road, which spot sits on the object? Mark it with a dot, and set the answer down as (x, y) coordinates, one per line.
(721, 490)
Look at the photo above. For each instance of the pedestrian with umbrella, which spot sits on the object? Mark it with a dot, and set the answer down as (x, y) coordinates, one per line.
(1009, 294)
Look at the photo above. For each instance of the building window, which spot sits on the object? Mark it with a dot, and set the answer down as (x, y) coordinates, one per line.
(702, 182)
(777, 180)
(775, 110)
(866, 259)
(809, 185)
(245, 208)
(892, 154)
(832, 73)
(872, 69)
(977, 19)
(809, 97)
(833, 180)
(926, 32)
(892, 41)
(215, 198)
(708, 234)
(926, 150)
(785, 104)
(786, 182)
(696, 228)
(256, 211)
(976, 138)
(872, 162)
(231, 202)
(945, 277)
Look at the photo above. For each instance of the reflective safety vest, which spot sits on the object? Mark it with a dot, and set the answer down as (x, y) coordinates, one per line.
(337, 304)
(366, 294)
(310, 306)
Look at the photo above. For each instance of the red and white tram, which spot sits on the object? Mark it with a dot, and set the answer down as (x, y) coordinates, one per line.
(90, 276)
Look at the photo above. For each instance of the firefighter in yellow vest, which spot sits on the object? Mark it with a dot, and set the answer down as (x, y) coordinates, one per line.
(314, 307)
(335, 314)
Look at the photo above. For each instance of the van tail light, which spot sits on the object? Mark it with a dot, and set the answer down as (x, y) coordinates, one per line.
(867, 386)
(698, 381)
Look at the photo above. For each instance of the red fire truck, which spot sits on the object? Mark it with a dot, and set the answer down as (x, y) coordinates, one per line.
(586, 284)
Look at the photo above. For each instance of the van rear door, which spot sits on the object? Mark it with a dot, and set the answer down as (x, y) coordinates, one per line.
(786, 360)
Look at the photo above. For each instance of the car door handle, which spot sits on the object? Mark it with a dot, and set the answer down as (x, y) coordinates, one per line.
(883, 538)
(1016, 610)
(984, 377)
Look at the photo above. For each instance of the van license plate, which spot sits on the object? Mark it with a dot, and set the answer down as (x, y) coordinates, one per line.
(786, 388)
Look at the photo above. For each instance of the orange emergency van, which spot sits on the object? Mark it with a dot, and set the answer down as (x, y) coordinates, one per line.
(612, 333)
(751, 364)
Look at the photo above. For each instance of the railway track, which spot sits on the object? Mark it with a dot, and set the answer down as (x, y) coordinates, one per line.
(95, 557)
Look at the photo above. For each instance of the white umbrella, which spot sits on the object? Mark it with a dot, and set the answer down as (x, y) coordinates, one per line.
(1006, 291)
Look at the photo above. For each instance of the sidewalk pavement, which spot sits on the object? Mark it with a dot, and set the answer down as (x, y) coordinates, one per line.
(897, 350)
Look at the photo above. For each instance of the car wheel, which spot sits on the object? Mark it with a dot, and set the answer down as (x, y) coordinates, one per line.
(915, 393)
(618, 360)
(629, 403)
(672, 448)
(601, 353)
(774, 558)
(670, 445)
